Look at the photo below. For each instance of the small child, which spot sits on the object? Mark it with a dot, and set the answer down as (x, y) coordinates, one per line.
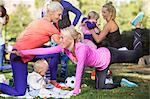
(37, 84)
(35, 79)
(88, 23)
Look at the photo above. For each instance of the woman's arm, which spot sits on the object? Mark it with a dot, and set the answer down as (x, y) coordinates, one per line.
(77, 12)
(99, 37)
(41, 51)
(81, 58)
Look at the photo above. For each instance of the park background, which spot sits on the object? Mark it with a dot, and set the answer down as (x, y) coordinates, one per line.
(22, 12)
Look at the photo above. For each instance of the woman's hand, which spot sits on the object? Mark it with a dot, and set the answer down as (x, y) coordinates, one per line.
(16, 52)
(92, 31)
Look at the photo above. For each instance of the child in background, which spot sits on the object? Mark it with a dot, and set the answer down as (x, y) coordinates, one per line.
(88, 23)
(4, 18)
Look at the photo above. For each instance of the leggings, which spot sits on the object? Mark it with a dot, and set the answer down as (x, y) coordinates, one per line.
(117, 56)
(2, 48)
(53, 65)
(20, 72)
(64, 65)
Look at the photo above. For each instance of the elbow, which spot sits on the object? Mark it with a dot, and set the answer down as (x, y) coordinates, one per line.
(97, 40)
(80, 13)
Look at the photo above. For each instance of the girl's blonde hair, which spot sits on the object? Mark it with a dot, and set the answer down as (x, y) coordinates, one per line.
(72, 32)
(93, 15)
(38, 64)
(110, 9)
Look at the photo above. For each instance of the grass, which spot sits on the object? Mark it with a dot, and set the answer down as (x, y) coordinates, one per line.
(89, 92)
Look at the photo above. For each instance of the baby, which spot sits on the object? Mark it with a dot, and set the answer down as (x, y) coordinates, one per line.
(36, 80)
(88, 23)
(37, 84)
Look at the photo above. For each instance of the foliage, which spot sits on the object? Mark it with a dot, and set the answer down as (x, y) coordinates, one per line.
(126, 12)
(39, 3)
(18, 21)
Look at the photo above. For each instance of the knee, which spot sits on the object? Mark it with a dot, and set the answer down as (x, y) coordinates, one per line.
(19, 93)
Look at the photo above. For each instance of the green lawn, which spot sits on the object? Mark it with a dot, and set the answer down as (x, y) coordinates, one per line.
(89, 92)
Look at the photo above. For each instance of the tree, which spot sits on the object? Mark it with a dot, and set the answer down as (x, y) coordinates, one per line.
(18, 21)
(39, 3)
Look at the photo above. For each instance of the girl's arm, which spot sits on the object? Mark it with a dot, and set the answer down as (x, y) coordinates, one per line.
(99, 37)
(81, 56)
(41, 51)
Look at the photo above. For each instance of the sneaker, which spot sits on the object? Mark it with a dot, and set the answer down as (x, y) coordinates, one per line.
(125, 82)
(138, 18)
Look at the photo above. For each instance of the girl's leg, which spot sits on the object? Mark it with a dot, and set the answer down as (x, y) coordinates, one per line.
(100, 80)
(20, 72)
(88, 36)
(130, 56)
(1, 56)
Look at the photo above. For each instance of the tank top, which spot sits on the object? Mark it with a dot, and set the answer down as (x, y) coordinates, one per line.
(114, 39)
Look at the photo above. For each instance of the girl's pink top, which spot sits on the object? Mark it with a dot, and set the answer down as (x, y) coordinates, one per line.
(85, 55)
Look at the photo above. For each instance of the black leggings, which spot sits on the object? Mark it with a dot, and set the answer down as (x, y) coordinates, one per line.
(117, 56)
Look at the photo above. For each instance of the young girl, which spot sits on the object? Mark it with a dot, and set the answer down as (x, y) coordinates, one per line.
(84, 55)
(88, 23)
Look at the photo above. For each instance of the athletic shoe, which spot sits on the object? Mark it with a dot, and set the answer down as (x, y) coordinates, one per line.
(125, 82)
(138, 18)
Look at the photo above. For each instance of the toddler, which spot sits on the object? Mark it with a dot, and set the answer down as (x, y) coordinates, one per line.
(88, 23)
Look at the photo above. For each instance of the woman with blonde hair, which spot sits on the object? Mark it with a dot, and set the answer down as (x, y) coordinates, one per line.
(111, 29)
(36, 34)
(84, 55)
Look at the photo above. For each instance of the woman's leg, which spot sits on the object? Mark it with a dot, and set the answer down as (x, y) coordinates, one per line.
(128, 56)
(53, 65)
(20, 72)
(100, 80)
(64, 65)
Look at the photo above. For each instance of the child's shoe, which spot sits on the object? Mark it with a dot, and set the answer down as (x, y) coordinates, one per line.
(125, 82)
(138, 18)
